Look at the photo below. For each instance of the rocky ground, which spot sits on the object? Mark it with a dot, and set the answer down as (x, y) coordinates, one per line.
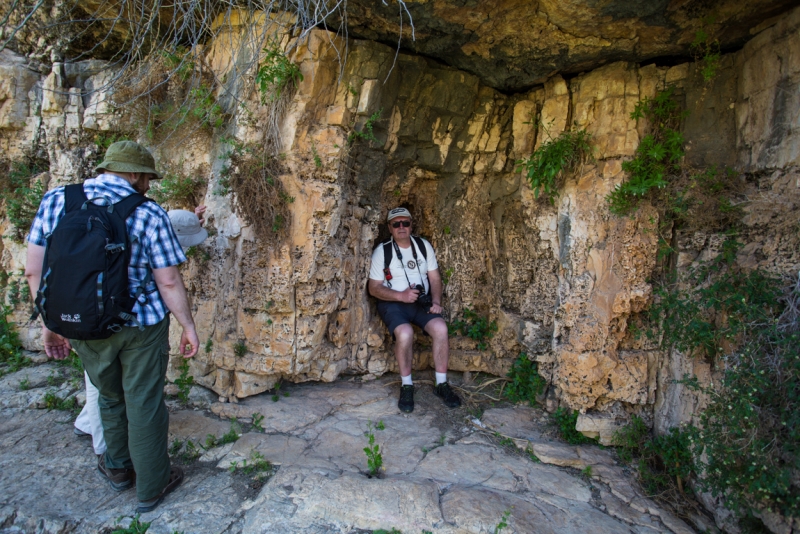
(475, 469)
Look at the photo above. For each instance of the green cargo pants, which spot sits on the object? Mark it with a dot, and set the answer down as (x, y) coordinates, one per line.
(129, 369)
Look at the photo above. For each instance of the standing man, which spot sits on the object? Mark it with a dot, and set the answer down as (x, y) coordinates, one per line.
(404, 277)
(129, 367)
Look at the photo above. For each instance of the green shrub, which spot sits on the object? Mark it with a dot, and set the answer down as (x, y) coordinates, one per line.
(366, 132)
(175, 191)
(11, 358)
(276, 74)
(547, 167)
(240, 349)
(474, 327)
(657, 157)
(565, 421)
(525, 383)
(21, 207)
(663, 461)
(746, 323)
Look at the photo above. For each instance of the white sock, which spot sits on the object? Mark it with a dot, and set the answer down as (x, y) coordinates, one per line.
(441, 377)
(407, 380)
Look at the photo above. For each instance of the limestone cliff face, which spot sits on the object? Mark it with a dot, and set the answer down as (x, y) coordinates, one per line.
(563, 280)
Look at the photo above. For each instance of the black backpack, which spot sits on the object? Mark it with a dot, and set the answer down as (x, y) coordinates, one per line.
(84, 293)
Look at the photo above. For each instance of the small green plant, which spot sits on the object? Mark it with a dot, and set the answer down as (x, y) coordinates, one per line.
(366, 132)
(276, 395)
(136, 527)
(198, 253)
(315, 154)
(531, 455)
(503, 522)
(587, 471)
(232, 435)
(566, 420)
(474, 327)
(184, 381)
(209, 345)
(373, 450)
(24, 384)
(203, 106)
(547, 167)
(706, 52)
(257, 420)
(259, 467)
(240, 349)
(384, 531)
(525, 382)
(175, 447)
(54, 402)
(13, 292)
(174, 190)
(276, 74)
(504, 441)
(191, 452)
(447, 275)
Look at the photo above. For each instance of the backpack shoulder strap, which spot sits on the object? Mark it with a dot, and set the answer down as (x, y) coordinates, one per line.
(74, 197)
(387, 254)
(125, 207)
(421, 246)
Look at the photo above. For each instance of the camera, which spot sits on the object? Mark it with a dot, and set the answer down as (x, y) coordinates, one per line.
(425, 300)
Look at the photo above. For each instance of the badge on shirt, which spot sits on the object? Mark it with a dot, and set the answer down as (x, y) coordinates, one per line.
(411, 264)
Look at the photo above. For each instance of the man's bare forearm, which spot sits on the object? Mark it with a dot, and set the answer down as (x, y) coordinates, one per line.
(171, 288)
(379, 291)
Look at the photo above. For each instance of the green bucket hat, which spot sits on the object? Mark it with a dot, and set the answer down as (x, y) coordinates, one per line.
(127, 156)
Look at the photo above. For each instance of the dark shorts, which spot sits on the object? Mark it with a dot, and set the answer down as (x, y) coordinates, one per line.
(393, 314)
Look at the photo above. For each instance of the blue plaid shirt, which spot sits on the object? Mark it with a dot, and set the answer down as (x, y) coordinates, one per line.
(156, 246)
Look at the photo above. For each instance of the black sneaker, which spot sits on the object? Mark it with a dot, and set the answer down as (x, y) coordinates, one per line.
(406, 402)
(120, 479)
(447, 395)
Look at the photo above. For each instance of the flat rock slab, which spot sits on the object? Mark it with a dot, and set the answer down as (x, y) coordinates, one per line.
(440, 474)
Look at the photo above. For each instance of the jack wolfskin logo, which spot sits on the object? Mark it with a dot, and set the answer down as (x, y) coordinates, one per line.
(71, 318)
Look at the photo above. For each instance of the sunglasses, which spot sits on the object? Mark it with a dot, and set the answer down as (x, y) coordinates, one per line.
(404, 224)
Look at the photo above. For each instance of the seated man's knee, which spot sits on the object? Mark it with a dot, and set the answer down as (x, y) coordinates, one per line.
(404, 333)
(437, 328)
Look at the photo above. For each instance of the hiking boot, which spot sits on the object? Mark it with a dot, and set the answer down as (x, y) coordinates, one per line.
(406, 402)
(175, 479)
(80, 433)
(447, 395)
(120, 479)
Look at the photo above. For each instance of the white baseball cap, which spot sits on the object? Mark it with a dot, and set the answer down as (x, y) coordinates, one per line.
(187, 227)
(398, 212)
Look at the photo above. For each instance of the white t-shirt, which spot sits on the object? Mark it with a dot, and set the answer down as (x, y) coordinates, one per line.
(396, 267)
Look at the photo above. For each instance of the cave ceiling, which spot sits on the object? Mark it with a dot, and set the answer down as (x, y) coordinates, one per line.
(512, 45)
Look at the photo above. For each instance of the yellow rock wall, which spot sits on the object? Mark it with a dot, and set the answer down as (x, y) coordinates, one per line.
(562, 280)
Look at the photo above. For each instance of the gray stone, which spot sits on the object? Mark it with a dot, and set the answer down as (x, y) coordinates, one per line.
(517, 421)
(558, 454)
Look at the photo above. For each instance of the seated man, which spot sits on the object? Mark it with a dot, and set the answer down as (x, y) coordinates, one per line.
(404, 277)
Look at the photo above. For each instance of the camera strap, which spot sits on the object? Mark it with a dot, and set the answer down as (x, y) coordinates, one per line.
(416, 261)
